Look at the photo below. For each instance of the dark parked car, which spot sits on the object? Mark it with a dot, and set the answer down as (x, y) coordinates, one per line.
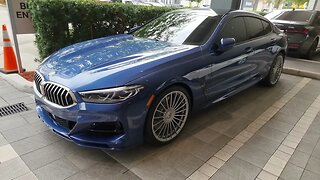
(302, 28)
(119, 91)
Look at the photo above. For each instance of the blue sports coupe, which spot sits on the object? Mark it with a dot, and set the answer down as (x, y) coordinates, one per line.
(120, 91)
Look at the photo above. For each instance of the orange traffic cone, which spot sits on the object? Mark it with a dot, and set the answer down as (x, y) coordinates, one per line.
(10, 61)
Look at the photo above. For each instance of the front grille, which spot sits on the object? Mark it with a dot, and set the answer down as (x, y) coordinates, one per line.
(37, 80)
(62, 122)
(57, 94)
(53, 92)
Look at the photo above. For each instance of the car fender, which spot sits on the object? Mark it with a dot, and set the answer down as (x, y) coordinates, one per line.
(196, 91)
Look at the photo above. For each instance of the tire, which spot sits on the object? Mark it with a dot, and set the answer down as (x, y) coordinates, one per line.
(275, 71)
(167, 116)
(313, 50)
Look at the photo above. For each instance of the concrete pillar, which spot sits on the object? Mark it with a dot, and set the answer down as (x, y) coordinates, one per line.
(225, 5)
(312, 4)
(317, 6)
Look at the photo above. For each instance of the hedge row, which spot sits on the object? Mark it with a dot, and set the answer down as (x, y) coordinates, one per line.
(59, 23)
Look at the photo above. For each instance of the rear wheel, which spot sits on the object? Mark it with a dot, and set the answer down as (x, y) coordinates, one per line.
(275, 71)
(167, 115)
(313, 50)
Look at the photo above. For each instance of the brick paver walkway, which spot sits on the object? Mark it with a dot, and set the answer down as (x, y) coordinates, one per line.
(260, 133)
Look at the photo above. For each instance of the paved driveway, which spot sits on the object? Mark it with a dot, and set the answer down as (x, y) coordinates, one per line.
(260, 133)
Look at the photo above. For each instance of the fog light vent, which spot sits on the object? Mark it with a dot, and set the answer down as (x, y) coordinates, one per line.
(12, 109)
(63, 122)
(106, 128)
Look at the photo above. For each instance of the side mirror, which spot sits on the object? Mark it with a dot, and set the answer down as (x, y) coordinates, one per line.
(227, 44)
(133, 29)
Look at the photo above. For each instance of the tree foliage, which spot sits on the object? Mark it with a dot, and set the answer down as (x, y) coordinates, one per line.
(59, 23)
(299, 2)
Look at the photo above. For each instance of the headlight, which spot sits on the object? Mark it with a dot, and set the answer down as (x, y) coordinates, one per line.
(112, 95)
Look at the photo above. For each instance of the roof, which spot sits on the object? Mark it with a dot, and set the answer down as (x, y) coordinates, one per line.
(200, 11)
(210, 12)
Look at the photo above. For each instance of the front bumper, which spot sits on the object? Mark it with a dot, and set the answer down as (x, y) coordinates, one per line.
(74, 123)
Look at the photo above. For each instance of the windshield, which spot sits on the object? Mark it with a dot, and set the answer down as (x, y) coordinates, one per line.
(301, 16)
(180, 28)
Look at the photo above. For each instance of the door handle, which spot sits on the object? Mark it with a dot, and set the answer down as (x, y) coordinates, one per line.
(273, 40)
(249, 50)
(242, 60)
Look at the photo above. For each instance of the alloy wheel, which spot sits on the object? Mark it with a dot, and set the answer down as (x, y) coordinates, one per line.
(314, 49)
(276, 70)
(170, 116)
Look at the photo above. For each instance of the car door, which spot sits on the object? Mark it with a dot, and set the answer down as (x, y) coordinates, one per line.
(229, 69)
(261, 39)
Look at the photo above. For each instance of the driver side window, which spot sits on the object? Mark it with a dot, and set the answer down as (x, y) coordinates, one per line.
(236, 29)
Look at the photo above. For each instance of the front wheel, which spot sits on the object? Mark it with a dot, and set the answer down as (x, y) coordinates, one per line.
(275, 71)
(167, 115)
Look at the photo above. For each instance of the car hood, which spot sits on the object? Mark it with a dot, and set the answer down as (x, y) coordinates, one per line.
(107, 62)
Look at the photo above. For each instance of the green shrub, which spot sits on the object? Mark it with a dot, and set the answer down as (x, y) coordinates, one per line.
(59, 23)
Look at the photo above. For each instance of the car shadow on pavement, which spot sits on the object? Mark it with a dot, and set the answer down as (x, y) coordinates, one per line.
(205, 133)
(297, 56)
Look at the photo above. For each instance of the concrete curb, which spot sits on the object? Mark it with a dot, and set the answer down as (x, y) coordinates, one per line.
(302, 73)
(18, 82)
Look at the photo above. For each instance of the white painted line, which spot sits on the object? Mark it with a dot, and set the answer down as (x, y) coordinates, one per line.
(197, 175)
(276, 164)
(28, 176)
(266, 175)
(208, 170)
(7, 153)
(215, 162)
(222, 156)
(286, 149)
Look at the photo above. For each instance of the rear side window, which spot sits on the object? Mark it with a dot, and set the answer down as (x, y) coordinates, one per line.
(304, 16)
(266, 27)
(255, 27)
(236, 29)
